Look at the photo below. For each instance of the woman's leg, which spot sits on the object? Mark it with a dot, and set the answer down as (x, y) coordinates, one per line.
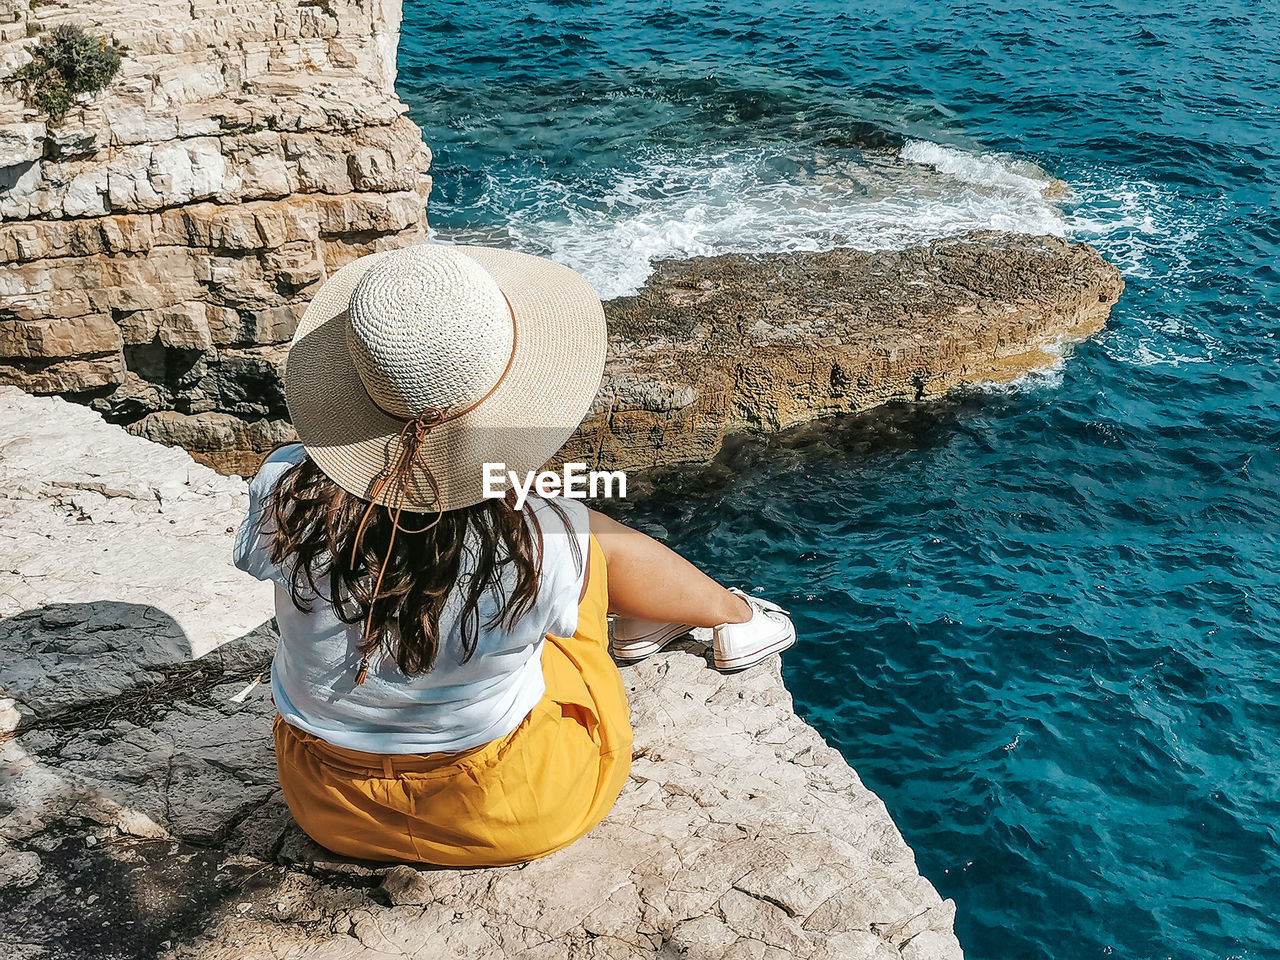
(649, 581)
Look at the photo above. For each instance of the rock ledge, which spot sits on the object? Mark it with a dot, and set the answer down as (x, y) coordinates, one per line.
(139, 813)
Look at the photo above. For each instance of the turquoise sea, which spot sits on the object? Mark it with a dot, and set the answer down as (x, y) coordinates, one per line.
(1040, 620)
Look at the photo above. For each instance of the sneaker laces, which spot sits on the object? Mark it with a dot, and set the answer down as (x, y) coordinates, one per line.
(760, 603)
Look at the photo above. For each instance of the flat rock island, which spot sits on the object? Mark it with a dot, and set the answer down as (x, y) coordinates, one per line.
(715, 346)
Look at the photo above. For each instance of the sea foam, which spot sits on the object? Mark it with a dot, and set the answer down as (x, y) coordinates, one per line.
(612, 226)
(677, 205)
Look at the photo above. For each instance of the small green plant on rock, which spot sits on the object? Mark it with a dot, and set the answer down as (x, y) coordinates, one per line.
(325, 6)
(66, 63)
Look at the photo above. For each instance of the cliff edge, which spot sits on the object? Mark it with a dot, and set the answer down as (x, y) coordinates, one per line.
(139, 812)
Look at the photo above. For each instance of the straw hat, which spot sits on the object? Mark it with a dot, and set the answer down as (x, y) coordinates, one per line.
(421, 365)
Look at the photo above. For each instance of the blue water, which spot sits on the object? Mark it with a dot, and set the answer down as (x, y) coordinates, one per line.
(1041, 621)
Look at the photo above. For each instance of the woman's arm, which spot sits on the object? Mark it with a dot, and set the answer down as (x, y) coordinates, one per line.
(649, 581)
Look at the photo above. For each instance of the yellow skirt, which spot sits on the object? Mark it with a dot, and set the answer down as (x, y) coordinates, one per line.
(514, 799)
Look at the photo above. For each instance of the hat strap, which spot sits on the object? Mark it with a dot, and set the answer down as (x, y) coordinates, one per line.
(411, 438)
(400, 471)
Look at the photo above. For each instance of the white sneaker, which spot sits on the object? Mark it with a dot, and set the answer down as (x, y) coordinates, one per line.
(632, 640)
(742, 645)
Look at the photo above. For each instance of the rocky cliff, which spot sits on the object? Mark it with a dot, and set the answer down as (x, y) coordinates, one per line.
(139, 813)
(158, 243)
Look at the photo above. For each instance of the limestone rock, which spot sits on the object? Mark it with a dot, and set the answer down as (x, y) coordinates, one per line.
(75, 376)
(133, 668)
(20, 143)
(234, 162)
(720, 345)
(127, 524)
(59, 337)
(213, 438)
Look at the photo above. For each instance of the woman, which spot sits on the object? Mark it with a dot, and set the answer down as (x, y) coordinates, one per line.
(443, 682)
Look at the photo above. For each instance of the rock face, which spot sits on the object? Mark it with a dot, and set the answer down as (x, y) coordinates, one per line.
(159, 243)
(139, 812)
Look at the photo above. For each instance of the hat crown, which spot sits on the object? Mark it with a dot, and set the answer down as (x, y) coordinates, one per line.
(428, 328)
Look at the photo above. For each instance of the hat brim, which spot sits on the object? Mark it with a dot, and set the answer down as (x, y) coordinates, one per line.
(554, 377)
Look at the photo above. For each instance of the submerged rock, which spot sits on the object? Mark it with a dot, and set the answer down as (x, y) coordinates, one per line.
(139, 811)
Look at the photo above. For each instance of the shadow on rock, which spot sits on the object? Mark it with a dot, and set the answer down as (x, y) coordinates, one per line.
(138, 793)
(140, 817)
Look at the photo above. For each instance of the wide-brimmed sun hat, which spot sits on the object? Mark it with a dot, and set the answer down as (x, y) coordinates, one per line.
(423, 364)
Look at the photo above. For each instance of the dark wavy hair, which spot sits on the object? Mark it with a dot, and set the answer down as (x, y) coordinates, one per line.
(323, 529)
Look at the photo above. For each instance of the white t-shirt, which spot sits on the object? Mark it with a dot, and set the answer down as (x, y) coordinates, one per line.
(453, 707)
